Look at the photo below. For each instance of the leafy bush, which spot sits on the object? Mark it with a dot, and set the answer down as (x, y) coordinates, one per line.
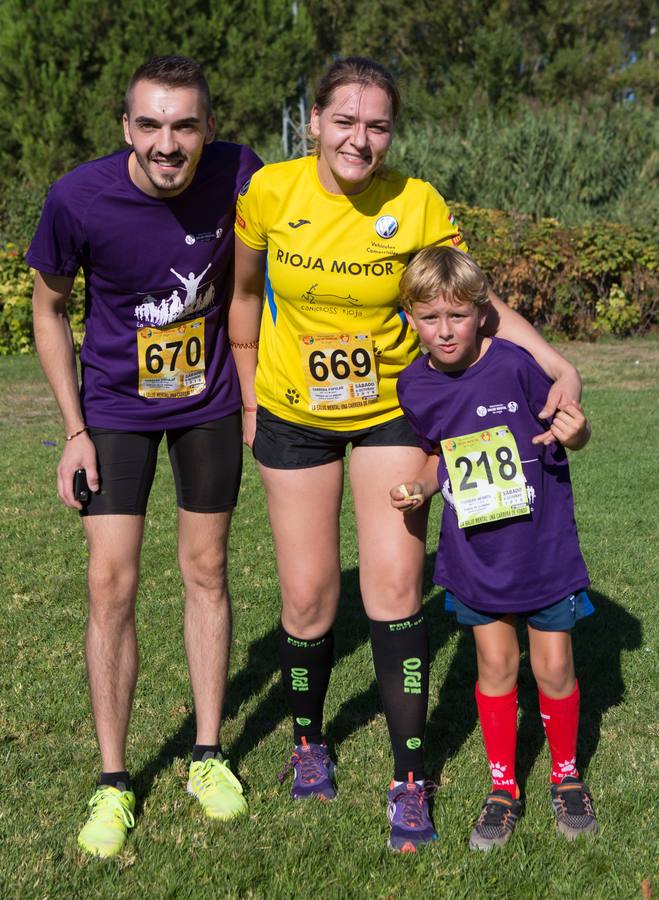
(16, 280)
(579, 282)
(576, 281)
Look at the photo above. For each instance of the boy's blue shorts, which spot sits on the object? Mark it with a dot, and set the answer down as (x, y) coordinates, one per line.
(560, 616)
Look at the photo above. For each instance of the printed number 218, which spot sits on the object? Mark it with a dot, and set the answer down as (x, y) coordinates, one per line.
(507, 468)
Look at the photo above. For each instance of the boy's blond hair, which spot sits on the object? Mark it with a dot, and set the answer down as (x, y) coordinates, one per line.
(446, 272)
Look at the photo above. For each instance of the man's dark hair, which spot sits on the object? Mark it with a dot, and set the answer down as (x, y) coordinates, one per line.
(174, 72)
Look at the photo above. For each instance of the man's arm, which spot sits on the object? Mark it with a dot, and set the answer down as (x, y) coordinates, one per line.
(506, 323)
(54, 341)
(244, 325)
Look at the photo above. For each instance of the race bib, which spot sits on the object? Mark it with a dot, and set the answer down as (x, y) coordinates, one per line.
(486, 476)
(171, 360)
(339, 370)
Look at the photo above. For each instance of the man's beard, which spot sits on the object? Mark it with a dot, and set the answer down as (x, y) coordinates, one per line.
(177, 181)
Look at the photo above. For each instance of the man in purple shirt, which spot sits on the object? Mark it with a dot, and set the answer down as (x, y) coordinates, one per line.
(152, 229)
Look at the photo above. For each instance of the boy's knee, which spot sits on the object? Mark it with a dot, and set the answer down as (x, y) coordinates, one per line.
(554, 674)
(498, 667)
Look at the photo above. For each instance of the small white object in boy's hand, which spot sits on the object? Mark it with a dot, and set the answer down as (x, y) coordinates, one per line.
(415, 498)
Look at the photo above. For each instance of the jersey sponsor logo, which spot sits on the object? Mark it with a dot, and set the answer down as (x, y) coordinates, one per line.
(497, 408)
(191, 239)
(299, 223)
(457, 239)
(377, 247)
(339, 266)
(321, 299)
(245, 187)
(173, 307)
(386, 226)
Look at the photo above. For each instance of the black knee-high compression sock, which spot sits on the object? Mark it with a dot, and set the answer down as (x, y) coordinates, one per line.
(306, 667)
(400, 656)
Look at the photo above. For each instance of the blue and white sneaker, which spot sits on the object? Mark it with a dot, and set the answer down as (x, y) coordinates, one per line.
(313, 772)
(411, 826)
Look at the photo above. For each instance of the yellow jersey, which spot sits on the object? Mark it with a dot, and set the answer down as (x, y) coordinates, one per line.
(333, 336)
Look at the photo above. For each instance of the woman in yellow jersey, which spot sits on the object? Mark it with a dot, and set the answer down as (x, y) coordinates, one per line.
(327, 238)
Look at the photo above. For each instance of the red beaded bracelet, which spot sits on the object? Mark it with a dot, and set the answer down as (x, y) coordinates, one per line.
(69, 437)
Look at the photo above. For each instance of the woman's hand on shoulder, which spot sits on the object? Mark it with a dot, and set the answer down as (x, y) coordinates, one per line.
(570, 427)
(565, 390)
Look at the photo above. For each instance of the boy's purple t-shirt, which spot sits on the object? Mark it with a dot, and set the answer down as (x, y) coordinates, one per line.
(147, 263)
(517, 564)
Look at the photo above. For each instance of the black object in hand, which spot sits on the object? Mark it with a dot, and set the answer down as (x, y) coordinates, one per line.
(80, 486)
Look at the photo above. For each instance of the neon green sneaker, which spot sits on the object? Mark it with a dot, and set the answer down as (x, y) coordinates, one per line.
(217, 789)
(104, 833)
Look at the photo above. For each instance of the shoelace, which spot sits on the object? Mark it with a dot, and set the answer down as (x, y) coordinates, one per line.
(494, 813)
(412, 801)
(212, 772)
(311, 761)
(576, 801)
(104, 800)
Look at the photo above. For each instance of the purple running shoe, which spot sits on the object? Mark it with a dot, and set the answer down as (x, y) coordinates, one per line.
(313, 772)
(408, 813)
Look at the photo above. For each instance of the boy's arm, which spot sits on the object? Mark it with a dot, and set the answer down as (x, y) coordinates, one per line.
(413, 494)
(570, 426)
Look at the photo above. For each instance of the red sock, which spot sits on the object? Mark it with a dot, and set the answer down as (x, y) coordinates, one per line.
(498, 717)
(561, 721)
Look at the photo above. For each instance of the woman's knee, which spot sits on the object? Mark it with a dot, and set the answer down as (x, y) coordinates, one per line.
(308, 613)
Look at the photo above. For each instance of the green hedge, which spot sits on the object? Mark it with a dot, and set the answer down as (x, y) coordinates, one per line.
(16, 280)
(579, 282)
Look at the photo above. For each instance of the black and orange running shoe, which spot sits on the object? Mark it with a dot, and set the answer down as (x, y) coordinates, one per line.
(496, 822)
(573, 808)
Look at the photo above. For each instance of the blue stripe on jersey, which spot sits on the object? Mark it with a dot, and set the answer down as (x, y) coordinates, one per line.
(269, 293)
(402, 316)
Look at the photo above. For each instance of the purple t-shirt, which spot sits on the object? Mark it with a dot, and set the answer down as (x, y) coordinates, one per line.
(157, 272)
(516, 564)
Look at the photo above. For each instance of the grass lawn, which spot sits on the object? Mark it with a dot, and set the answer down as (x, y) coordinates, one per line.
(47, 744)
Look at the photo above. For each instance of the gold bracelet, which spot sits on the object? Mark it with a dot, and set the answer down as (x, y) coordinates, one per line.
(244, 345)
(69, 437)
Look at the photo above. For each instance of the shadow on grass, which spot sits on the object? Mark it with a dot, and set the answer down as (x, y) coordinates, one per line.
(598, 645)
(598, 642)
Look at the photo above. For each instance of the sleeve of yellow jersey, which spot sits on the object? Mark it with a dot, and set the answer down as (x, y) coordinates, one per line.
(249, 225)
(440, 227)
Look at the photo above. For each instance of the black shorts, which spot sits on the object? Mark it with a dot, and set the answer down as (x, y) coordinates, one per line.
(286, 445)
(206, 461)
